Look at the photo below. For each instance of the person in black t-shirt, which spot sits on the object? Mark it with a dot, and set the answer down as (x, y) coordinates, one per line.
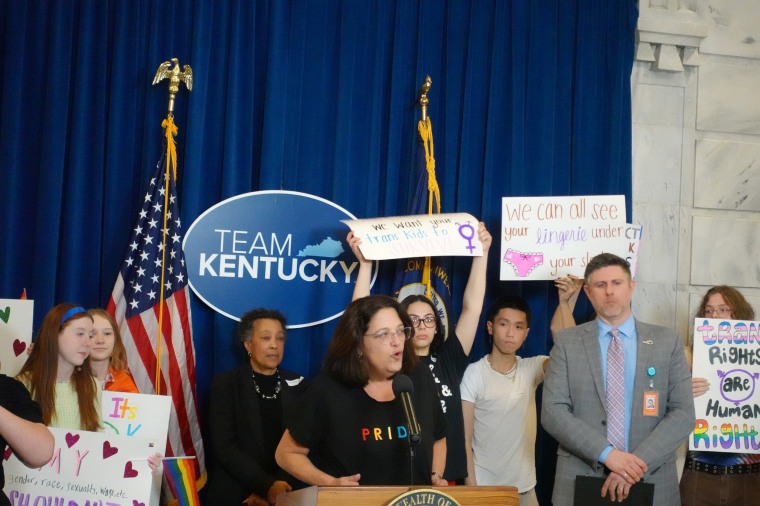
(21, 427)
(351, 428)
(445, 358)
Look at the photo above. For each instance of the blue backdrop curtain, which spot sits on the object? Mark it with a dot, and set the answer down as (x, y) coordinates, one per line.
(529, 98)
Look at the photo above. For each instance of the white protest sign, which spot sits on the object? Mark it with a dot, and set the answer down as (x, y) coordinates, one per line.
(87, 468)
(424, 235)
(15, 334)
(139, 415)
(548, 237)
(727, 354)
(629, 245)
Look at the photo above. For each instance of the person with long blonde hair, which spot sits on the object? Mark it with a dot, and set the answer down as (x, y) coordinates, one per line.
(108, 357)
(58, 374)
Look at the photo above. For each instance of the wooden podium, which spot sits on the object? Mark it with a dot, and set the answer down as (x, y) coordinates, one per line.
(380, 496)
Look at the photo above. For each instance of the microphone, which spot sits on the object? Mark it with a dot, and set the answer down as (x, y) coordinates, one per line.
(403, 389)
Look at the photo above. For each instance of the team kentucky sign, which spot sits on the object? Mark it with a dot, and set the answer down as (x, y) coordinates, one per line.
(278, 249)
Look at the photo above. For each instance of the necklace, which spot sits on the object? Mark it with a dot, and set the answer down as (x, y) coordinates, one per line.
(277, 387)
(509, 374)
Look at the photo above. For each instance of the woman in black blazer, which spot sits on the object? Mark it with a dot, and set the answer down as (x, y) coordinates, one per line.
(248, 411)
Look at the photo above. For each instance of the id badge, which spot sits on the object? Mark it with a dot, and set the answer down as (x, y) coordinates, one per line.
(651, 403)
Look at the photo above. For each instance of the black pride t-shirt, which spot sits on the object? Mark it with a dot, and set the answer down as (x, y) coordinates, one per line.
(347, 432)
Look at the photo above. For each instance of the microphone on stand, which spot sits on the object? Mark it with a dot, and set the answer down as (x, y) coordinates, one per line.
(403, 389)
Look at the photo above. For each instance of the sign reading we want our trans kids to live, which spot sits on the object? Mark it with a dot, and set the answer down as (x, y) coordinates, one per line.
(454, 234)
(727, 355)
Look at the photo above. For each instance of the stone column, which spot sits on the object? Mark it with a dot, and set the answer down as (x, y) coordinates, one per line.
(696, 154)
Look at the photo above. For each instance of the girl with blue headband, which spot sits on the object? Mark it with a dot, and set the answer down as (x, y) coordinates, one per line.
(58, 374)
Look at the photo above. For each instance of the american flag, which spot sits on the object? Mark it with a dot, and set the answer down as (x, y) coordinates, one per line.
(155, 260)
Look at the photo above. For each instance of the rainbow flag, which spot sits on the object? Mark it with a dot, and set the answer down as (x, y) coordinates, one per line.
(180, 475)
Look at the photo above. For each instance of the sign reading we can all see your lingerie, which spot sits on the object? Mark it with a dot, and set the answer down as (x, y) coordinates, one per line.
(544, 238)
(727, 355)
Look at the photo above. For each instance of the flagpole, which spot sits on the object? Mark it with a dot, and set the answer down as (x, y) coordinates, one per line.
(165, 70)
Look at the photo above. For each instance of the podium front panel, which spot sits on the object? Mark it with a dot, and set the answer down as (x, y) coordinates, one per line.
(381, 496)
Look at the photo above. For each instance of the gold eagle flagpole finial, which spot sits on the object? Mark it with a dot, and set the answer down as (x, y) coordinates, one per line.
(423, 100)
(170, 130)
(175, 77)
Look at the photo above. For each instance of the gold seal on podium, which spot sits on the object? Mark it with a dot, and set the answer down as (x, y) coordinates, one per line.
(423, 497)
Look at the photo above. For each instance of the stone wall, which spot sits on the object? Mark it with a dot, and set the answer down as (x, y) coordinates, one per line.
(696, 154)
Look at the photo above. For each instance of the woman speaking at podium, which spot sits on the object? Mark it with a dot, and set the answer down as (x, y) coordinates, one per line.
(352, 429)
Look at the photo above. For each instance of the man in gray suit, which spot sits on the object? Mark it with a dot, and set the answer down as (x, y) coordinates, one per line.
(654, 397)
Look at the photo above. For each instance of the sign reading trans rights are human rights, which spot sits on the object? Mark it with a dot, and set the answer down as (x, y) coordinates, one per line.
(727, 355)
(277, 249)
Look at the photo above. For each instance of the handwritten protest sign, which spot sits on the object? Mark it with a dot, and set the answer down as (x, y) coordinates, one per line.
(139, 415)
(425, 235)
(548, 237)
(15, 334)
(87, 468)
(727, 354)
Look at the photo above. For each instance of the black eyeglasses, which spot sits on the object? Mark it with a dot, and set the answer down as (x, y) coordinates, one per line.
(428, 321)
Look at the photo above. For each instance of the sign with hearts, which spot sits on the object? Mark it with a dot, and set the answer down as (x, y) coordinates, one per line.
(86, 468)
(138, 415)
(15, 334)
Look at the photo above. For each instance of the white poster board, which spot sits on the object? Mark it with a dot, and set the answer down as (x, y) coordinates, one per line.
(543, 238)
(16, 318)
(144, 416)
(727, 354)
(87, 468)
(425, 235)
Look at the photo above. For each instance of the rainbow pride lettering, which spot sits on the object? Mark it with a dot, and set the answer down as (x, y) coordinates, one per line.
(384, 433)
(727, 437)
